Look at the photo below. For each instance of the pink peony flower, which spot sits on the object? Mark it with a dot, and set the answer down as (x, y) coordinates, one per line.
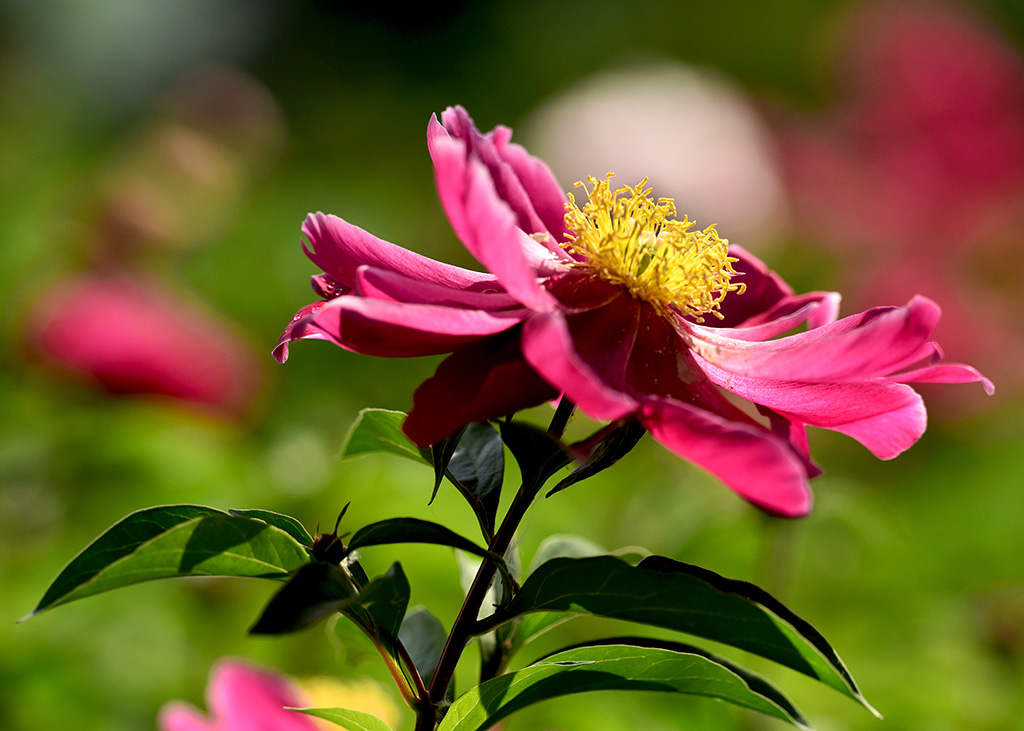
(241, 698)
(627, 312)
(130, 335)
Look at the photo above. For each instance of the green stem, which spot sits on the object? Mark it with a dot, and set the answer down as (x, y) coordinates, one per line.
(466, 624)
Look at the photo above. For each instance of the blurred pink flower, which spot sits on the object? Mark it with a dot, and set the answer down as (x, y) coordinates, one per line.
(917, 176)
(241, 698)
(130, 335)
(606, 303)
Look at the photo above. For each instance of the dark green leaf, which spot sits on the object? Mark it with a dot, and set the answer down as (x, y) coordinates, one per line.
(676, 596)
(538, 454)
(380, 430)
(477, 469)
(556, 546)
(183, 540)
(285, 522)
(386, 599)
(414, 530)
(564, 546)
(315, 591)
(616, 667)
(602, 451)
(120, 540)
(440, 455)
(352, 720)
(423, 636)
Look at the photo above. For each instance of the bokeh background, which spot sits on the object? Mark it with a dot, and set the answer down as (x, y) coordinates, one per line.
(158, 158)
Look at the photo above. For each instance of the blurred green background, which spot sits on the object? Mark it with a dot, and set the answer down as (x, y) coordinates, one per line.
(912, 568)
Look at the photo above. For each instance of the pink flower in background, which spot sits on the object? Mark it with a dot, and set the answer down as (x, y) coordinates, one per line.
(628, 312)
(241, 698)
(130, 335)
(917, 175)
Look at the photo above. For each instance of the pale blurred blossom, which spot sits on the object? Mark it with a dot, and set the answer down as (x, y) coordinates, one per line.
(694, 133)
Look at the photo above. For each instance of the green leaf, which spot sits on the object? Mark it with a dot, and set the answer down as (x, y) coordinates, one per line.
(682, 669)
(564, 545)
(677, 596)
(414, 530)
(179, 540)
(386, 599)
(602, 450)
(477, 469)
(423, 636)
(287, 523)
(352, 720)
(315, 591)
(538, 454)
(380, 430)
(440, 455)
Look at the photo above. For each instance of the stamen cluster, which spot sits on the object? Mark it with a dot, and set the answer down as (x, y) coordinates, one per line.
(630, 239)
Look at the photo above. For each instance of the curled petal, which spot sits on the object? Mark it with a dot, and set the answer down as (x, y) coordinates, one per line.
(887, 418)
(395, 329)
(487, 226)
(547, 197)
(302, 326)
(524, 183)
(750, 460)
(387, 285)
(549, 348)
(874, 343)
(764, 289)
(339, 249)
(945, 373)
(486, 380)
(816, 309)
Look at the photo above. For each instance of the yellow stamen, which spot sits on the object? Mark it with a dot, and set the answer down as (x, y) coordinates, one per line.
(633, 240)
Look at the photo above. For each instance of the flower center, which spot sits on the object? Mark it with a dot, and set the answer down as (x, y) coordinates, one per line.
(631, 239)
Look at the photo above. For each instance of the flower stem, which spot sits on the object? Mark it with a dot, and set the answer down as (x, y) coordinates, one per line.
(466, 623)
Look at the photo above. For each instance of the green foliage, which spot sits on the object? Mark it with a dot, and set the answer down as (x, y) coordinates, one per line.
(616, 667)
(477, 469)
(313, 593)
(172, 541)
(352, 720)
(380, 430)
(415, 530)
(285, 522)
(423, 636)
(676, 596)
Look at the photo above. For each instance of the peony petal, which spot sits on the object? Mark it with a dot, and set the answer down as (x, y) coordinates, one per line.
(339, 249)
(887, 418)
(548, 347)
(523, 183)
(392, 286)
(547, 196)
(765, 288)
(750, 460)
(301, 327)
(486, 380)
(396, 329)
(816, 309)
(874, 343)
(487, 226)
(945, 373)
